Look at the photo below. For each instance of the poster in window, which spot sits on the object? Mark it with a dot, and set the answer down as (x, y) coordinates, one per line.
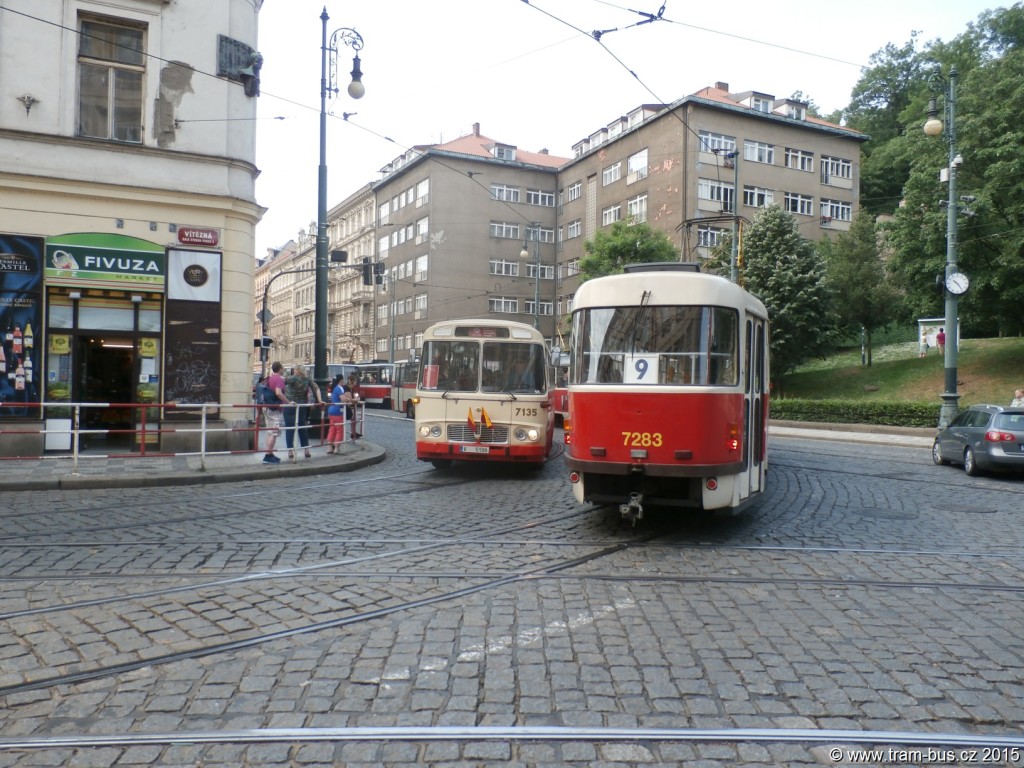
(21, 280)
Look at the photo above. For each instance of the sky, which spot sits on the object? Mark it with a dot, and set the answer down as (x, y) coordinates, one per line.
(532, 74)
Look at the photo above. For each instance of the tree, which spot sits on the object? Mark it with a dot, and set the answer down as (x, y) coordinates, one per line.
(785, 271)
(625, 243)
(856, 278)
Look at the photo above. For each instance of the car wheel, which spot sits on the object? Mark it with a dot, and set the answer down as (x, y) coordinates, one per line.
(937, 454)
(970, 466)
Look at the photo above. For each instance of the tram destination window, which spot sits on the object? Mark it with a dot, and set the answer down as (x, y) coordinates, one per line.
(652, 345)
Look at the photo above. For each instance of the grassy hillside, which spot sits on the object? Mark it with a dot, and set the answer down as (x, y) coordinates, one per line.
(988, 370)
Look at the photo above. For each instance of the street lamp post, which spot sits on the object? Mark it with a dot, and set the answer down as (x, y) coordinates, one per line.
(328, 83)
(525, 254)
(934, 127)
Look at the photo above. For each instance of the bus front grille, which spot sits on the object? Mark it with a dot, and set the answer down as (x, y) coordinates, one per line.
(461, 433)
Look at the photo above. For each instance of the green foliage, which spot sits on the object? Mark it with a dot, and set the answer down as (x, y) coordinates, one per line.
(884, 413)
(857, 281)
(988, 371)
(625, 243)
(785, 271)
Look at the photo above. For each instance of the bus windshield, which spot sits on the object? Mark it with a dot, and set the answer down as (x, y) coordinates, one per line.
(673, 345)
(490, 366)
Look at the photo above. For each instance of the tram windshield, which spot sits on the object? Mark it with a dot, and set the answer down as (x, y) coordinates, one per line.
(490, 366)
(674, 345)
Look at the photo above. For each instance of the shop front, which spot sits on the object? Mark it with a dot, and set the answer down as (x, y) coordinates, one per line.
(124, 323)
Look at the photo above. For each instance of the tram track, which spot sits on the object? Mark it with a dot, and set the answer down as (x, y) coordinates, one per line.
(230, 646)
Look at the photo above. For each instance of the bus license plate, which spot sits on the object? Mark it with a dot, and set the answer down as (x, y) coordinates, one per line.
(475, 449)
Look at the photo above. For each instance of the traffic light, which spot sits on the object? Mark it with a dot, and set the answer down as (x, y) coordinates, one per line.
(378, 272)
(367, 271)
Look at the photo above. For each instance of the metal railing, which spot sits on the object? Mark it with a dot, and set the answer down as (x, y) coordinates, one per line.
(66, 424)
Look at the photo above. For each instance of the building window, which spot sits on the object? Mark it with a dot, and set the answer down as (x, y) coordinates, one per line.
(836, 209)
(835, 167)
(110, 75)
(502, 267)
(636, 208)
(611, 214)
(422, 192)
(717, 191)
(547, 272)
(756, 152)
(546, 307)
(540, 197)
(574, 191)
(708, 236)
(572, 267)
(504, 229)
(761, 104)
(802, 204)
(611, 174)
(504, 152)
(716, 142)
(502, 304)
(800, 160)
(757, 197)
(505, 192)
(575, 229)
(636, 167)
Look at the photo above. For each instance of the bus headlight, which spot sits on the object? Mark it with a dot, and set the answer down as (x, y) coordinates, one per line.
(522, 434)
(427, 430)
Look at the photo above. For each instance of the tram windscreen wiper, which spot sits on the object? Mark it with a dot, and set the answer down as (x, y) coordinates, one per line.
(638, 318)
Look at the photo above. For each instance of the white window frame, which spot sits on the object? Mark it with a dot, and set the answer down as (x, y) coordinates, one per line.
(540, 197)
(837, 210)
(574, 191)
(757, 197)
(611, 214)
(636, 166)
(504, 304)
(759, 152)
(505, 192)
(723, 192)
(504, 268)
(574, 229)
(800, 204)
(708, 236)
(716, 142)
(799, 160)
(505, 229)
(837, 167)
(636, 208)
(611, 174)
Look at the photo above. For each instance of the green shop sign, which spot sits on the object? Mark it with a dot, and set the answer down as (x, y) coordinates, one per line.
(96, 259)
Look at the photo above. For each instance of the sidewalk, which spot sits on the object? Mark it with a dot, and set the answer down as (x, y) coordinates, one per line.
(58, 472)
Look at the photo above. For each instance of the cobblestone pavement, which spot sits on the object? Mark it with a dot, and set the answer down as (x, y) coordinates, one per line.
(398, 615)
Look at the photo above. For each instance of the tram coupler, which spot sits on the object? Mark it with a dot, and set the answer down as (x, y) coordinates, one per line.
(632, 510)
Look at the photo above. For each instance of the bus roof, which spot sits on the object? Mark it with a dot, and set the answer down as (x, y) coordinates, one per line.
(478, 328)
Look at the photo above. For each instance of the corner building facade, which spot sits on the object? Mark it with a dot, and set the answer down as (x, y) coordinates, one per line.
(127, 216)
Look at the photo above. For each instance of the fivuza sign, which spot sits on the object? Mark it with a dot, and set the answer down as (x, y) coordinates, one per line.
(104, 260)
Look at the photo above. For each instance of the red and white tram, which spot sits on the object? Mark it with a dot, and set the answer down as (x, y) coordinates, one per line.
(483, 394)
(375, 383)
(668, 391)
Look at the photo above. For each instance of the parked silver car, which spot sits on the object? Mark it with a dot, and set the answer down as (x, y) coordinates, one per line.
(983, 438)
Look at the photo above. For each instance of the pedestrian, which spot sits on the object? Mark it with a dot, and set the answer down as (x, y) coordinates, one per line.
(272, 413)
(924, 347)
(336, 415)
(298, 390)
(940, 340)
(350, 410)
(1018, 398)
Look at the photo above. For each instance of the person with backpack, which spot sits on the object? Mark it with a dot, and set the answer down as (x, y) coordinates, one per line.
(270, 396)
(299, 393)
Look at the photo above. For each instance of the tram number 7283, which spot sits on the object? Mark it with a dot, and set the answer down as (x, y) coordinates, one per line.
(642, 439)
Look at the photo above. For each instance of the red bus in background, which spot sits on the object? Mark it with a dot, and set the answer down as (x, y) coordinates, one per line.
(403, 387)
(560, 390)
(375, 382)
